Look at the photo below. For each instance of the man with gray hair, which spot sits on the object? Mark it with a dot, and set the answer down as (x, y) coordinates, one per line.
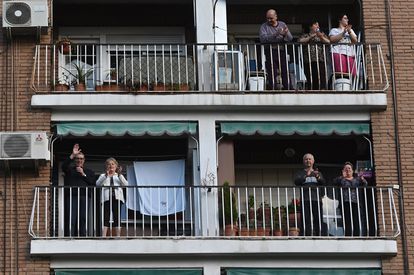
(308, 179)
(275, 32)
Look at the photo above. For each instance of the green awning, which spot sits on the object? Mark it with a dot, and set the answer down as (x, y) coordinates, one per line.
(295, 128)
(129, 272)
(126, 128)
(301, 271)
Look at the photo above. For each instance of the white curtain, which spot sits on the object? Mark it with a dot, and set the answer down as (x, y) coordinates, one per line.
(159, 201)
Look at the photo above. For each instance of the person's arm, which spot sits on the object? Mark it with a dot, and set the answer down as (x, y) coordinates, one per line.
(101, 180)
(66, 165)
(267, 37)
(354, 38)
(335, 36)
(299, 178)
(89, 177)
(321, 179)
(324, 39)
(122, 180)
(288, 36)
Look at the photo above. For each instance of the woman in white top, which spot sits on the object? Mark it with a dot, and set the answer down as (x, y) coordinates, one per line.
(343, 55)
(112, 196)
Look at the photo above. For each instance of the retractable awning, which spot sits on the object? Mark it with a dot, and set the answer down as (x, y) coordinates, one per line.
(302, 271)
(295, 128)
(126, 128)
(129, 272)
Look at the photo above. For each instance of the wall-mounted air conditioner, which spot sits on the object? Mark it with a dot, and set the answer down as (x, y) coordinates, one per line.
(25, 15)
(24, 146)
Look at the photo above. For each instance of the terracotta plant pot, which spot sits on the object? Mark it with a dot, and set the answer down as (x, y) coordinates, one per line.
(244, 231)
(294, 231)
(80, 87)
(142, 88)
(61, 87)
(230, 230)
(277, 232)
(293, 216)
(64, 47)
(159, 87)
(99, 88)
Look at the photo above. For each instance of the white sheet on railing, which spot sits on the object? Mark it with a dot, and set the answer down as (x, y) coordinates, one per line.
(157, 201)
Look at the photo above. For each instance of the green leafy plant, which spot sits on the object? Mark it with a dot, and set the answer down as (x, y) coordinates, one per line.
(230, 207)
(294, 206)
(81, 73)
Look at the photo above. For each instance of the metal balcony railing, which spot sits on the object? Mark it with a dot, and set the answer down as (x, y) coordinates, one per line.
(205, 212)
(208, 67)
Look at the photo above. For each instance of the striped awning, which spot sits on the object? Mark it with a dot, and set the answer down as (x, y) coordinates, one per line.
(295, 128)
(302, 271)
(126, 128)
(150, 271)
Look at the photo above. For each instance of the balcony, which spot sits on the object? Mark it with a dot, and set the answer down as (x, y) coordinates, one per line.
(206, 76)
(216, 220)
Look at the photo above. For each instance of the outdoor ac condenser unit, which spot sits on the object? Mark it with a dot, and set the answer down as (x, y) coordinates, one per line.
(24, 146)
(28, 14)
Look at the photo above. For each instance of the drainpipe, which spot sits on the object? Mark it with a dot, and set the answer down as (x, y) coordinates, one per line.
(397, 141)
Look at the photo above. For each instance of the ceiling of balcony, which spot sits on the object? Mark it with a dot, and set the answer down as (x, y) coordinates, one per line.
(232, 2)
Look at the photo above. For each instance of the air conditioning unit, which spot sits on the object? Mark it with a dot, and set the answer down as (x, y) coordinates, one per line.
(24, 146)
(29, 14)
(228, 70)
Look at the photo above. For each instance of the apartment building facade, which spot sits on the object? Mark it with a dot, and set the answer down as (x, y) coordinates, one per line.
(180, 89)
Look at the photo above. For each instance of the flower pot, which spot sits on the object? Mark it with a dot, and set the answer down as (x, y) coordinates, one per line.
(230, 230)
(293, 216)
(294, 231)
(99, 88)
(142, 88)
(244, 231)
(61, 87)
(159, 87)
(277, 232)
(64, 47)
(80, 87)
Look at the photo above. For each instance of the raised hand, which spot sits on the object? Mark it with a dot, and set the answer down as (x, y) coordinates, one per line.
(76, 150)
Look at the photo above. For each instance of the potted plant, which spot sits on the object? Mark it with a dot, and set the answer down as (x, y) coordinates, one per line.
(294, 217)
(64, 45)
(63, 84)
(80, 76)
(158, 86)
(279, 220)
(181, 86)
(140, 86)
(98, 86)
(230, 211)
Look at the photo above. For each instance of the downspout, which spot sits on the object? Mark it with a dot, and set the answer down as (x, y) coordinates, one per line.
(397, 142)
(4, 220)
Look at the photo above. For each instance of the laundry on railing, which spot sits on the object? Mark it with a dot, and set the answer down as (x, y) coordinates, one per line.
(167, 199)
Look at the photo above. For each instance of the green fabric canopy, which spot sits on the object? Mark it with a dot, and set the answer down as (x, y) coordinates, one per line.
(301, 271)
(129, 272)
(126, 128)
(292, 128)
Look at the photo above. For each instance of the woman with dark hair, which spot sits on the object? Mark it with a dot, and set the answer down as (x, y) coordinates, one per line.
(314, 56)
(351, 208)
(343, 55)
(112, 195)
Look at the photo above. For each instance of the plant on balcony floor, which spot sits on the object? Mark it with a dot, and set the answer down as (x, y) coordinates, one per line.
(62, 84)
(80, 76)
(279, 220)
(139, 86)
(230, 211)
(295, 217)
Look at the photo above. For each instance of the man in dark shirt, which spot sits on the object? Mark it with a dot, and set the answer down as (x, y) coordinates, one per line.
(309, 178)
(277, 33)
(76, 199)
